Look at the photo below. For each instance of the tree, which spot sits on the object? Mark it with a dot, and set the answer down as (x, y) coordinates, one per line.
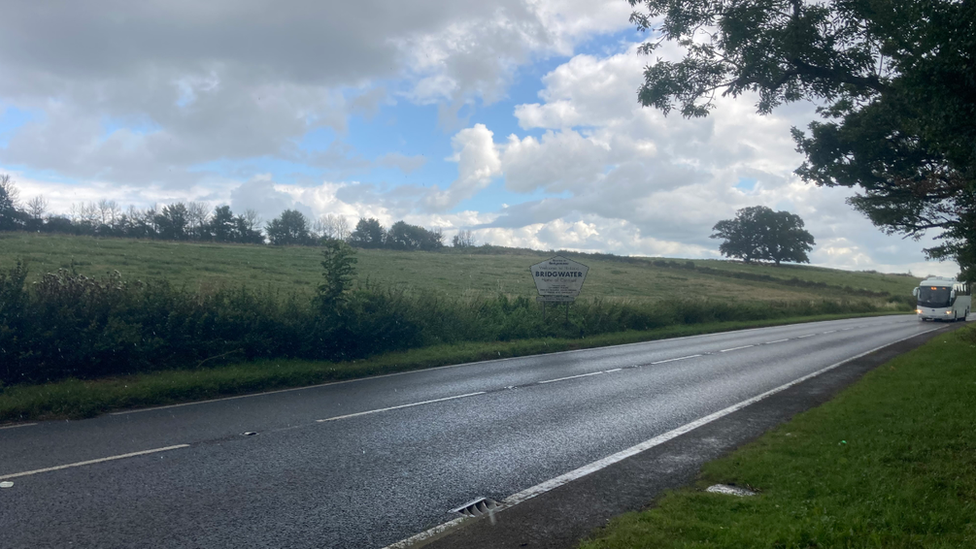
(368, 234)
(759, 233)
(338, 265)
(198, 220)
(36, 207)
(290, 228)
(464, 239)
(245, 230)
(10, 217)
(172, 223)
(403, 236)
(222, 225)
(894, 80)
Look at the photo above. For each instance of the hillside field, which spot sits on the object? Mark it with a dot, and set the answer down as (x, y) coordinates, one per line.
(475, 272)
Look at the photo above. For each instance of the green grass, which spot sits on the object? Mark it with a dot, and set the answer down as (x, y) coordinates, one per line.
(452, 272)
(78, 399)
(890, 463)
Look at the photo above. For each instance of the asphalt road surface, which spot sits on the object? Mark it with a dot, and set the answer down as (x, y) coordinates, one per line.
(370, 462)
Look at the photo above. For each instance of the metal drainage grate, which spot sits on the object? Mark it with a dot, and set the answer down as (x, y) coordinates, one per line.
(478, 507)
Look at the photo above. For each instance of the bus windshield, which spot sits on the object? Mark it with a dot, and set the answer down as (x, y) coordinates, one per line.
(933, 296)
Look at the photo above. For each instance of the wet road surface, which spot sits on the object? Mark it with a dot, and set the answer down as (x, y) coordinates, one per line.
(369, 462)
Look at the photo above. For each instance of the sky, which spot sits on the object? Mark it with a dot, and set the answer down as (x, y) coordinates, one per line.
(515, 119)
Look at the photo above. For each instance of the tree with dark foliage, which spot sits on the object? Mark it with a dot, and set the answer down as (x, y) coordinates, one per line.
(290, 228)
(403, 236)
(759, 233)
(368, 234)
(339, 269)
(896, 82)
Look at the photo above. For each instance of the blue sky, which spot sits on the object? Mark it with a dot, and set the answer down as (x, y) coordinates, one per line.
(515, 119)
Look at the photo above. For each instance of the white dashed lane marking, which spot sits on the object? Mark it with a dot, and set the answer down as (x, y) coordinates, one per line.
(568, 377)
(676, 359)
(736, 348)
(93, 461)
(400, 407)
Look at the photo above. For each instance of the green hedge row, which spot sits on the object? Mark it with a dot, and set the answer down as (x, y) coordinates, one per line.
(71, 325)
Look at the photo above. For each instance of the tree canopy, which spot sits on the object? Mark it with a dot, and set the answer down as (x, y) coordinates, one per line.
(896, 85)
(403, 236)
(368, 234)
(759, 233)
(290, 228)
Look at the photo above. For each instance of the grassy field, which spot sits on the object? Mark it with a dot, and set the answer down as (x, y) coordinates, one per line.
(200, 265)
(455, 305)
(890, 463)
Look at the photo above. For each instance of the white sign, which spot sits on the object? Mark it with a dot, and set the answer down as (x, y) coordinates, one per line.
(559, 279)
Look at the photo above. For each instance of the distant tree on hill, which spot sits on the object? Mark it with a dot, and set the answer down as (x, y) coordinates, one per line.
(464, 239)
(36, 207)
(222, 225)
(403, 236)
(10, 217)
(759, 233)
(368, 234)
(332, 227)
(173, 222)
(290, 228)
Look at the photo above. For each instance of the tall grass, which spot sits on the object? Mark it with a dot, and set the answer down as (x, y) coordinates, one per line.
(71, 325)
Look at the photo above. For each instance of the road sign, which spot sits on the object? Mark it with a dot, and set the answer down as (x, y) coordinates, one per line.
(559, 279)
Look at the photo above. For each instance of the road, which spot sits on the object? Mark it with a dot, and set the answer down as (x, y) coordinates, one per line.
(369, 462)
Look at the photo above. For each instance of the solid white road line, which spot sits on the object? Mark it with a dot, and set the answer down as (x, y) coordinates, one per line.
(674, 359)
(736, 348)
(93, 461)
(554, 483)
(611, 371)
(411, 405)
(567, 377)
(2, 427)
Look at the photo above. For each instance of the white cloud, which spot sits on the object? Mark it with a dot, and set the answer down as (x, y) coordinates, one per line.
(234, 80)
(668, 180)
(478, 162)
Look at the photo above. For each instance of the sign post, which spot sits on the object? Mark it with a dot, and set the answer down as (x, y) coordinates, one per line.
(558, 280)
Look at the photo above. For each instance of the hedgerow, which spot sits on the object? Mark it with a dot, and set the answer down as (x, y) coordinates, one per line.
(72, 325)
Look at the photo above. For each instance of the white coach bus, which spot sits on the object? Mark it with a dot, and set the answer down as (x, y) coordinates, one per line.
(942, 299)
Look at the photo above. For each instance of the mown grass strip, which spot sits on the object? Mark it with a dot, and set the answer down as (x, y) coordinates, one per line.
(78, 399)
(890, 463)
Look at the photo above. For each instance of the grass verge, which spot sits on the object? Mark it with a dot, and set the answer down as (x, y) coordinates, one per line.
(891, 462)
(79, 399)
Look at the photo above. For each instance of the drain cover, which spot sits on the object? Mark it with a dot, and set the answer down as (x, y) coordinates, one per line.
(477, 507)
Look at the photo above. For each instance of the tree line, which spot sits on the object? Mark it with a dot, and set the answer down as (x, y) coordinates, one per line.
(194, 221)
